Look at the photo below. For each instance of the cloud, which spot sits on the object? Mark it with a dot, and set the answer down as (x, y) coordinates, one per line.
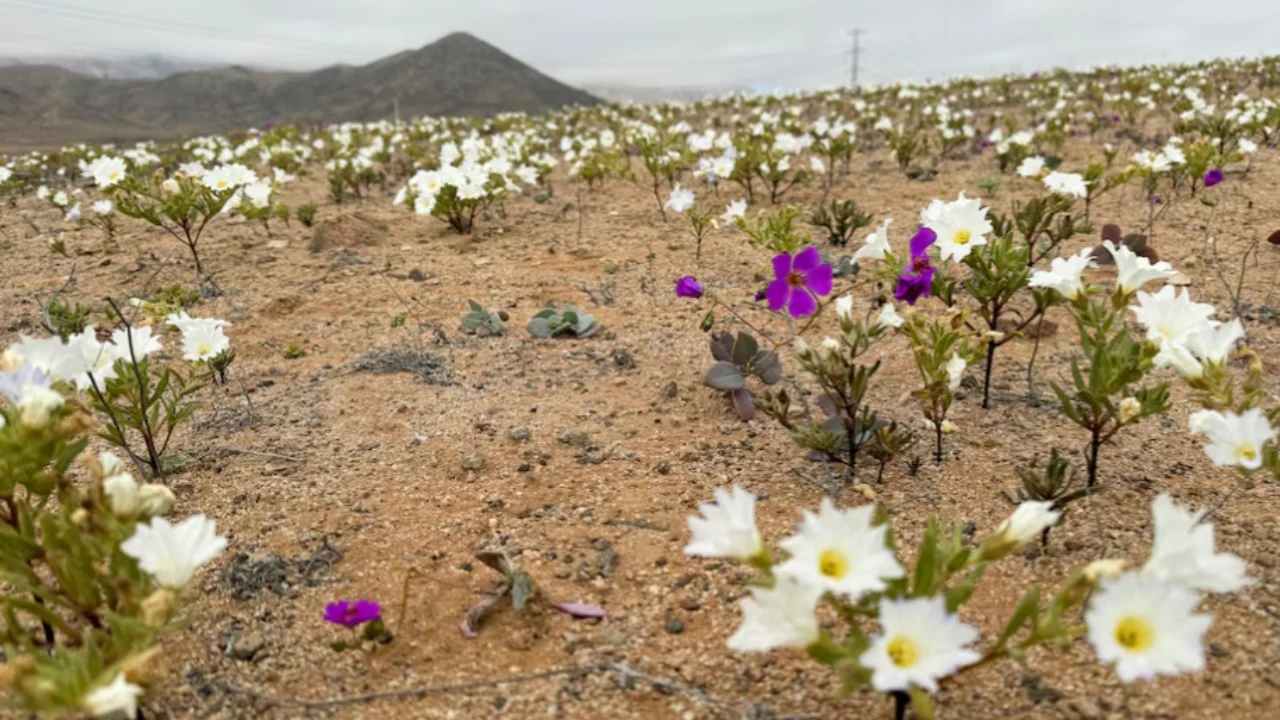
(801, 43)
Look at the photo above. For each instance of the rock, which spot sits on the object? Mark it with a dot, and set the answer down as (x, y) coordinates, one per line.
(691, 604)
(1084, 709)
(248, 646)
(473, 463)
(520, 434)
(574, 436)
(669, 390)
(417, 275)
(674, 626)
(347, 231)
(623, 359)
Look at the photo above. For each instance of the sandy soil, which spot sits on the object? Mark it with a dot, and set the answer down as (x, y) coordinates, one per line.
(333, 482)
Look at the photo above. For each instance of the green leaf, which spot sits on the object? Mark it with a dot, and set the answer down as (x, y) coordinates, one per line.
(724, 376)
(1027, 610)
(960, 593)
(744, 349)
(921, 703)
(926, 561)
(522, 589)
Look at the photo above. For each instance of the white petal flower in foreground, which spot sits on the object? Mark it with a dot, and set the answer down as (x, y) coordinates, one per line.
(840, 551)
(920, 643)
(117, 699)
(876, 245)
(778, 617)
(889, 317)
(171, 553)
(961, 226)
(36, 402)
(681, 199)
(844, 308)
(1066, 184)
(1170, 316)
(144, 343)
(727, 528)
(1132, 272)
(734, 211)
(1064, 274)
(1031, 167)
(1184, 551)
(1028, 520)
(1147, 627)
(1234, 439)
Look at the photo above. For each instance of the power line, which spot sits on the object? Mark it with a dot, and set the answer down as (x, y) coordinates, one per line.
(180, 28)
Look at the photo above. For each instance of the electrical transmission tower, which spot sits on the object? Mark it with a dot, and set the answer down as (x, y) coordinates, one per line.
(857, 52)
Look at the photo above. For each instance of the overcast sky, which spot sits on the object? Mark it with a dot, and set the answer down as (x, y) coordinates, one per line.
(761, 43)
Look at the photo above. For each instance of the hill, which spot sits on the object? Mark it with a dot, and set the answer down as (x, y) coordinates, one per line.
(458, 74)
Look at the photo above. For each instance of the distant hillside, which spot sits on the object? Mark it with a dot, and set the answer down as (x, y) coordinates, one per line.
(645, 95)
(458, 74)
(136, 67)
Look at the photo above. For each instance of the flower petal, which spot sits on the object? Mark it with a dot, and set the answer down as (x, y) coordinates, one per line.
(778, 293)
(819, 279)
(922, 240)
(781, 266)
(807, 259)
(802, 304)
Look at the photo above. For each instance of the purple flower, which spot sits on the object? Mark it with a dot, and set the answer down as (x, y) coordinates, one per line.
(349, 613)
(688, 287)
(1213, 177)
(11, 383)
(798, 279)
(760, 295)
(1115, 118)
(917, 279)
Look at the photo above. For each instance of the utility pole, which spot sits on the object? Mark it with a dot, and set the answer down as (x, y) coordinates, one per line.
(857, 51)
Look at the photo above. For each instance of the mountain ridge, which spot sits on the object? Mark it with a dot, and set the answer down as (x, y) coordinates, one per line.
(458, 74)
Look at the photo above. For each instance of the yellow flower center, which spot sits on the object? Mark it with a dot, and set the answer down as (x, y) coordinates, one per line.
(903, 652)
(204, 350)
(833, 564)
(222, 184)
(1134, 634)
(962, 237)
(1246, 454)
(113, 176)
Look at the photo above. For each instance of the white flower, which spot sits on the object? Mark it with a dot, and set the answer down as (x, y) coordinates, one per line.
(103, 207)
(1067, 184)
(122, 492)
(1064, 274)
(1247, 146)
(60, 199)
(42, 192)
(36, 402)
(1129, 409)
(778, 617)
(170, 187)
(1234, 439)
(1170, 315)
(955, 371)
(844, 308)
(202, 338)
(840, 551)
(1031, 167)
(258, 194)
(107, 171)
(424, 204)
(815, 164)
(681, 199)
(876, 245)
(1213, 343)
(1184, 551)
(155, 500)
(171, 553)
(1147, 627)
(74, 213)
(961, 225)
(87, 362)
(117, 699)
(919, 644)
(400, 196)
(727, 528)
(1027, 522)
(143, 342)
(1132, 272)
(5, 174)
(734, 211)
(889, 317)
(217, 179)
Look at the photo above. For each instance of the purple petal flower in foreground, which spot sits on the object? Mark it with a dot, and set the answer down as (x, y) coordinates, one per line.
(687, 287)
(916, 280)
(798, 280)
(1213, 177)
(348, 613)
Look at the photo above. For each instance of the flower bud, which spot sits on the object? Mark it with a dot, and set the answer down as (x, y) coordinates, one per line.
(1129, 409)
(10, 361)
(1109, 569)
(948, 427)
(994, 336)
(122, 494)
(844, 312)
(79, 517)
(36, 403)
(138, 668)
(1030, 519)
(158, 607)
(155, 500)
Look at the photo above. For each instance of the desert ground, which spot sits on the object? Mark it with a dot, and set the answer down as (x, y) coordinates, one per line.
(374, 464)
